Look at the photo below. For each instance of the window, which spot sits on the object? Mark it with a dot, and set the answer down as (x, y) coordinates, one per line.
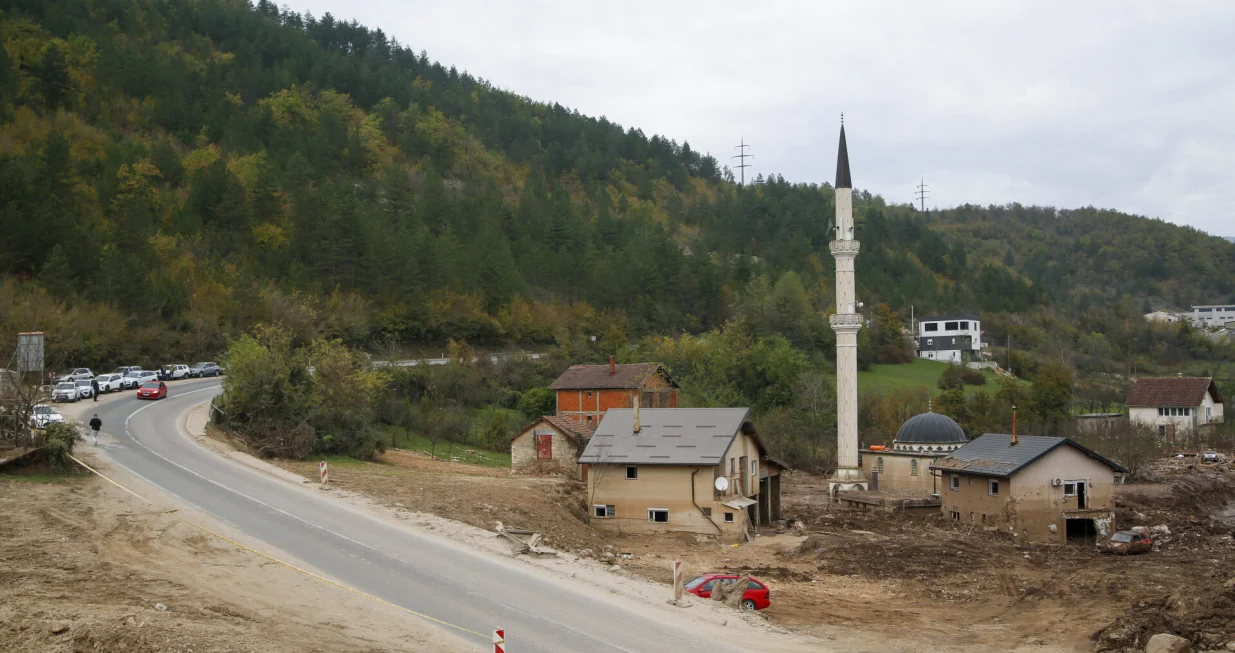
(879, 465)
(913, 468)
(992, 487)
(632, 473)
(930, 341)
(964, 326)
(646, 398)
(731, 464)
(1162, 432)
(589, 395)
(931, 326)
(753, 585)
(602, 511)
(951, 326)
(955, 482)
(707, 512)
(1159, 411)
(658, 515)
(1069, 489)
(956, 515)
(1187, 412)
(728, 518)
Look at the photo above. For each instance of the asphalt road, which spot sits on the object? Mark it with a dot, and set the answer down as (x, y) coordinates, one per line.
(448, 582)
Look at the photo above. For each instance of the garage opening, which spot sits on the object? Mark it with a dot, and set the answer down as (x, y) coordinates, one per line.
(1082, 531)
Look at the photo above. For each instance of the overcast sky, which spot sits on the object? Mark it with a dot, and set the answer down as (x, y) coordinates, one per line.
(1126, 105)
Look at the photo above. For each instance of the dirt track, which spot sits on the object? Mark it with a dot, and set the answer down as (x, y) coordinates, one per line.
(84, 568)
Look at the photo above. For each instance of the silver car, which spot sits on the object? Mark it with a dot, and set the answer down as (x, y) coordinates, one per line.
(78, 374)
(66, 391)
(84, 389)
(1211, 457)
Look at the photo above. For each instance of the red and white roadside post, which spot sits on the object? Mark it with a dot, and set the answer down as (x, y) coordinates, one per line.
(322, 467)
(677, 580)
(499, 640)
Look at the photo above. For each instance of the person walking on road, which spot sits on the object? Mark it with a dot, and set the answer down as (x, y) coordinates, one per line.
(95, 425)
(94, 385)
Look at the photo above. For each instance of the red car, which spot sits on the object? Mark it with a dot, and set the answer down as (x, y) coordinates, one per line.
(152, 390)
(757, 595)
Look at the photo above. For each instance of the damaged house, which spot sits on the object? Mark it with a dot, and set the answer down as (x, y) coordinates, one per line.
(700, 470)
(1039, 488)
(549, 445)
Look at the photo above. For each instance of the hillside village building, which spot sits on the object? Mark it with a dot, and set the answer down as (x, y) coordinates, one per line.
(1162, 316)
(1175, 406)
(550, 445)
(905, 467)
(585, 392)
(1212, 316)
(950, 338)
(700, 470)
(1038, 488)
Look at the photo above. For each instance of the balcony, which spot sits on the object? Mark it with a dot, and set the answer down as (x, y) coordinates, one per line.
(844, 247)
(845, 321)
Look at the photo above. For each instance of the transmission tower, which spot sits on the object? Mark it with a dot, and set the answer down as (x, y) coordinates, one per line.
(922, 192)
(742, 156)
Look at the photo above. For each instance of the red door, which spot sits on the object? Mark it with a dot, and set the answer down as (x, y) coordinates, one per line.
(544, 447)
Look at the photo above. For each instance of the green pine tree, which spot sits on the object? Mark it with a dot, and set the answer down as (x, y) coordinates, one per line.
(52, 79)
(57, 275)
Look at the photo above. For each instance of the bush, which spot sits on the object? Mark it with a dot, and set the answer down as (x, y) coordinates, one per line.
(537, 402)
(60, 440)
(953, 377)
(973, 377)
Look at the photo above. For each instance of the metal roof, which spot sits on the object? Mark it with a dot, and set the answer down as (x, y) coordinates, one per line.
(994, 455)
(930, 428)
(669, 436)
(842, 162)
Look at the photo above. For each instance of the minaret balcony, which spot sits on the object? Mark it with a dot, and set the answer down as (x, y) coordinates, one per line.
(844, 247)
(845, 320)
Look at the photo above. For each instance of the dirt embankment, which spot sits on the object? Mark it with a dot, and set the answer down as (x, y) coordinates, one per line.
(84, 568)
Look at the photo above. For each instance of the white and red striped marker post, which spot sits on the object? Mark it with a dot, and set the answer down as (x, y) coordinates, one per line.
(677, 580)
(499, 640)
(322, 466)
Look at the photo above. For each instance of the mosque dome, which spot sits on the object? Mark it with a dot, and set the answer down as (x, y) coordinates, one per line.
(929, 432)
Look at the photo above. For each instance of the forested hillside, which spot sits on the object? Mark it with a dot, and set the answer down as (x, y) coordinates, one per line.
(174, 172)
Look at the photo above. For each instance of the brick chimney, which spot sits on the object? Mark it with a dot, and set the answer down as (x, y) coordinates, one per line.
(637, 427)
(612, 365)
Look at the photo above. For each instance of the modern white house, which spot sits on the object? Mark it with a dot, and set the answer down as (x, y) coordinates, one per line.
(1175, 405)
(950, 337)
(1212, 316)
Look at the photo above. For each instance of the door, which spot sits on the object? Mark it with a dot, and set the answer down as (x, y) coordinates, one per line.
(1082, 497)
(544, 446)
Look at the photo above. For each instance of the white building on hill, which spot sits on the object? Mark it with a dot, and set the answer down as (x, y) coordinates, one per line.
(1213, 316)
(950, 337)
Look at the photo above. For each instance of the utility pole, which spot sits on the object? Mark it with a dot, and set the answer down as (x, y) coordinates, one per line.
(742, 156)
(922, 192)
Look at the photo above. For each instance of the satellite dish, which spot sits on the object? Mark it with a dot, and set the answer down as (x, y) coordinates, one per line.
(721, 484)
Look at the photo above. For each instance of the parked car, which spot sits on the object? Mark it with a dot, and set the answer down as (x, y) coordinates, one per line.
(110, 382)
(42, 415)
(66, 391)
(1127, 543)
(126, 369)
(76, 375)
(173, 372)
(84, 389)
(152, 390)
(757, 596)
(202, 370)
(137, 377)
(1211, 457)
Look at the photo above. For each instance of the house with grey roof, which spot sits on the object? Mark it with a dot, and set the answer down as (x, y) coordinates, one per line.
(1037, 488)
(951, 338)
(700, 470)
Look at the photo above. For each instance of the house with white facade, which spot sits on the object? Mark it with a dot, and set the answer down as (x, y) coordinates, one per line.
(1175, 405)
(1212, 316)
(950, 337)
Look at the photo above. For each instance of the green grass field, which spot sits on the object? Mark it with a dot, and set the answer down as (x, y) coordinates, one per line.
(397, 438)
(881, 379)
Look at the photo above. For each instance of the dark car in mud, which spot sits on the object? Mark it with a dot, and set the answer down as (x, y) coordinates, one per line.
(1127, 543)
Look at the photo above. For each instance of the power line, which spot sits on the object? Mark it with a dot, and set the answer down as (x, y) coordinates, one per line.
(922, 193)
(743, 156)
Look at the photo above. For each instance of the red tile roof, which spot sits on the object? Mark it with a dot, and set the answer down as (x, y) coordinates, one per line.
(597, 377)
(571, 427)
(1186, 391)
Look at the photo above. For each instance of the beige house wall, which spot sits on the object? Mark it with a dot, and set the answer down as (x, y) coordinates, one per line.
(1209, 412)
(523, 452)
(1029, 504)
(660, 486)
(898, 473)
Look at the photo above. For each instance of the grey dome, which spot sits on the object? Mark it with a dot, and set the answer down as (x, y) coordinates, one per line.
(930, 428)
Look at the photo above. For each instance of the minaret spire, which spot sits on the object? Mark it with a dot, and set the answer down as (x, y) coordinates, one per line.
(846, 322)
(842, 159)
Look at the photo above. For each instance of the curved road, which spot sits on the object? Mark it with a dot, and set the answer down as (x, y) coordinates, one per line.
(425, 574)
